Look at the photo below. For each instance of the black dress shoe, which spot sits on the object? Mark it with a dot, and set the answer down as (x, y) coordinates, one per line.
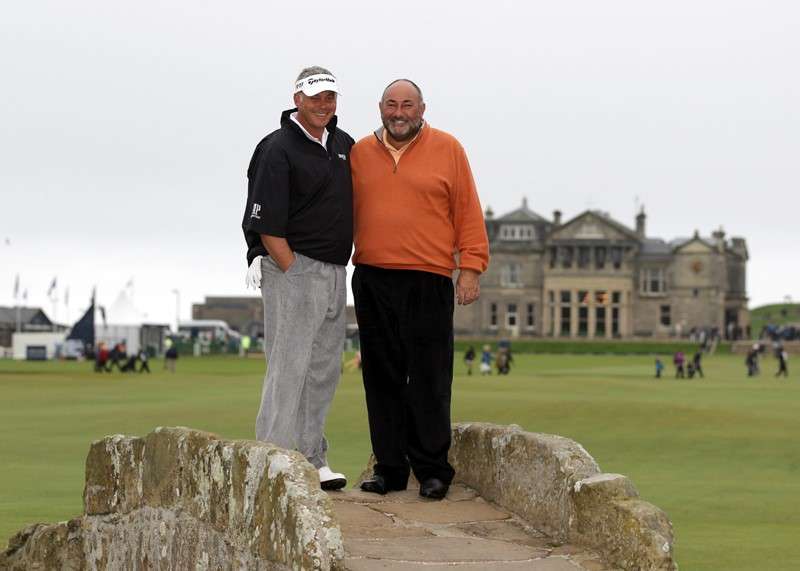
(379, 485)
(433, 488)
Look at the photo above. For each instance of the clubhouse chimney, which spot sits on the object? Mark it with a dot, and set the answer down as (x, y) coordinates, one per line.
(640, 223)
(556, 218)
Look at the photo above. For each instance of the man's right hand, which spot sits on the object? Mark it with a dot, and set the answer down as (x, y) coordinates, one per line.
(279, 251)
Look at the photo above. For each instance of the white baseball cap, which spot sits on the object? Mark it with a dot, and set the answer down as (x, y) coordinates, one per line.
(317, 83)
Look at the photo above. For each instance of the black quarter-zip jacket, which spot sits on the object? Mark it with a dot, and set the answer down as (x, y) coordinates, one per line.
(300, 191)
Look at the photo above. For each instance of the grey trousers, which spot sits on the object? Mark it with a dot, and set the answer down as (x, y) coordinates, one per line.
(304, 331)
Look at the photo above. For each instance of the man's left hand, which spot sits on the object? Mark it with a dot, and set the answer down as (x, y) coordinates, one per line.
(468, 286)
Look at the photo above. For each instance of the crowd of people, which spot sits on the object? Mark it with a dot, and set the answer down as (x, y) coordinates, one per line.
(758, 350)
(105, 359)
(778, 333)
(690, 368)
(502, 361)
(683, 368)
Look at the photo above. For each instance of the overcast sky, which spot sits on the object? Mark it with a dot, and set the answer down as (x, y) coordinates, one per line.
(126, 128)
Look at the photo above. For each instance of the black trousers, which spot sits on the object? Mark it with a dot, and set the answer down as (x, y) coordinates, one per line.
(405, 322)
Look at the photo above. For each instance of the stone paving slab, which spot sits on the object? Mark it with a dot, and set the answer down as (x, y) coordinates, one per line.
(443, 512)
(360, 522)
(535, 565)
(508, 530)
(403, 532)
(456, 493)
(439, 549)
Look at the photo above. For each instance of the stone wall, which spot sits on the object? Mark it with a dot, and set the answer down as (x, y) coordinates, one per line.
(180, 498)
(557, 487)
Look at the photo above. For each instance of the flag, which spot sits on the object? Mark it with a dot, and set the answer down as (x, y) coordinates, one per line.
(52, 288)
(66, 297)
(83, 329)
(103, 315)
(16, 287)
(25, 295)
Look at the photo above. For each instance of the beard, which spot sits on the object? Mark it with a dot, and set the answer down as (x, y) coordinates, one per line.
(412, 128)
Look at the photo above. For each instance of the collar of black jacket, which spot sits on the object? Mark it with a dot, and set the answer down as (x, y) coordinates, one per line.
(286, 121)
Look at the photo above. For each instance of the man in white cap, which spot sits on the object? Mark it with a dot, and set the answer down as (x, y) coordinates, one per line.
(298, 225)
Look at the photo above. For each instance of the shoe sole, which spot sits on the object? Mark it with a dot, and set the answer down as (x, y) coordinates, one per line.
(335, 484)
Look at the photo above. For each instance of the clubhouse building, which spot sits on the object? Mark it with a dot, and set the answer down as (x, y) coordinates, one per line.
(594, 277)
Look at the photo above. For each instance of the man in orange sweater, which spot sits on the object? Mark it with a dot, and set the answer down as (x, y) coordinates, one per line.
(417, 218)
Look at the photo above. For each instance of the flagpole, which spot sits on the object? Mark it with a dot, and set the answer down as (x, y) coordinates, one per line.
(16, 300)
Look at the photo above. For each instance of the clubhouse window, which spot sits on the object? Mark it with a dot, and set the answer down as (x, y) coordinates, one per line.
(583, 321)
(600, 257)
(616, 257)
(566, 320)
(493, 315)
(516, 232)
(510, 275)
(530, 321)
(600, 321)
(511, 315)
(584, 256)
(666, 315)
(567, 252)
(652, 281)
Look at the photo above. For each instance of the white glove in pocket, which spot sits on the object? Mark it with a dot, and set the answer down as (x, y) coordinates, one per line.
(253, 278)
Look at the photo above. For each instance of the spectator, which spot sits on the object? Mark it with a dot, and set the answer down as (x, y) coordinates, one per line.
(469, 358)
(783, 358)
(486, 360)
(697, 362)
(101, 358)
(503, 361)
(678, 360)
(659, 368)
(143, 357)
(171, 358)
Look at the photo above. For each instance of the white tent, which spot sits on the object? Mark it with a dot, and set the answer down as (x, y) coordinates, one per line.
(125, 323)
(121, 312)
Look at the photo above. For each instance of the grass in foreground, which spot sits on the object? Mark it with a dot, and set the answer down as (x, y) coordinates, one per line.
(720, 455)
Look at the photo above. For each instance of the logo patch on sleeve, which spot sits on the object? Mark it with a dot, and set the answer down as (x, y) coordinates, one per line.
(256, 210)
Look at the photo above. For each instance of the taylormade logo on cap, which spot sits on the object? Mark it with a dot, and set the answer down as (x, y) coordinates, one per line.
(318, 83)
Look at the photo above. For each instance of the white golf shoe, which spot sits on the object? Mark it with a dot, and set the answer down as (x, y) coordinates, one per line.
(329, 480)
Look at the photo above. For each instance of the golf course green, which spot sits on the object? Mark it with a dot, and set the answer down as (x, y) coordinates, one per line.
(720, 454)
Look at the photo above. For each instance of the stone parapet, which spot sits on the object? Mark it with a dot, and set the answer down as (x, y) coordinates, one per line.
(552, 483)
(178, 497)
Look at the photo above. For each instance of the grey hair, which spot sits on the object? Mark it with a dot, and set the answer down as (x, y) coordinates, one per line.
(419, 91)
(313, 70)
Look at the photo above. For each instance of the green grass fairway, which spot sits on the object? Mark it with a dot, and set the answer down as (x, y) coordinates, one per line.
(720, 455)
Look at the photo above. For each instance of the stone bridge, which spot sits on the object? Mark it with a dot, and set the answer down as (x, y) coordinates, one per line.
(183, 499)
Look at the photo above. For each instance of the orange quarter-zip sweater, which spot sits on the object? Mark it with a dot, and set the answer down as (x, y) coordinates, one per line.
(421, 213)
